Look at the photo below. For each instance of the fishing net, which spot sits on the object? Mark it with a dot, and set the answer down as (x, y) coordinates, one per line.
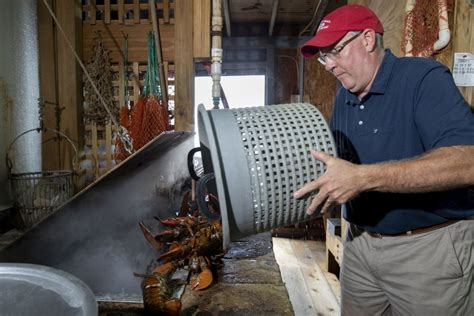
(100, 69)
(422, 27)
(149, 116)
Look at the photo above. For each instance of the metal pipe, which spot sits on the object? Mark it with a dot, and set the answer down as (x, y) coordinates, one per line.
(301, 79)
(273, 17)
(216, 52)
(228, 22)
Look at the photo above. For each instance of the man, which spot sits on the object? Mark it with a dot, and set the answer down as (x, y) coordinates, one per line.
(405, 138)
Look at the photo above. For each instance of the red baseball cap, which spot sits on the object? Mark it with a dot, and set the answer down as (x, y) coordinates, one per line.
(335, 25)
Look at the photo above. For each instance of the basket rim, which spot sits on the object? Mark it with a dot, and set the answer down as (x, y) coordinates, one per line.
(45, 174)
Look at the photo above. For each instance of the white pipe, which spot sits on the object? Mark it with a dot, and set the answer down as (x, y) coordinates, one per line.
(216, 51)
(408, 38)
(444, 33)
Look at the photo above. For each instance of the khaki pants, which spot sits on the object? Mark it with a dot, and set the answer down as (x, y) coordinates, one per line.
(424, 274)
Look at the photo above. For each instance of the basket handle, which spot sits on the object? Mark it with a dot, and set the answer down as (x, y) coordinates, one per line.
(45, 129)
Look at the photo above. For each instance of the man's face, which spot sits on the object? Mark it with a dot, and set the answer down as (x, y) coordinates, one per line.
(347, 61)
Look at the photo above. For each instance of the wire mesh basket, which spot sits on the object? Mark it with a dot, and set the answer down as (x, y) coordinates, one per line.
(37, 194)
(260, 156)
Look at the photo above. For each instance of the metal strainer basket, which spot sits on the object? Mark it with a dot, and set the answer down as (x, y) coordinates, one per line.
(37, 194)
(260, 156)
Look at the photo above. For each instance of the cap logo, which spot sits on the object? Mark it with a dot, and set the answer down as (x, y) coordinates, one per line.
(323, 25)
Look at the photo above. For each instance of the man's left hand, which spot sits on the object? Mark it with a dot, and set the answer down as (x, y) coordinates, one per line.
(340, 183)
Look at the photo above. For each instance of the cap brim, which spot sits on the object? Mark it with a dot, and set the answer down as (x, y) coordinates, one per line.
(324, 39)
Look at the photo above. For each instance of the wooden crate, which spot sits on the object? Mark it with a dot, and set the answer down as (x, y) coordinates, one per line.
(114, 21)
(334, 245)
(99, 150)
(126, 12)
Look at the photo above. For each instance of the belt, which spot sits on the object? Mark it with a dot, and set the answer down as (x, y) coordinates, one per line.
(414, 231)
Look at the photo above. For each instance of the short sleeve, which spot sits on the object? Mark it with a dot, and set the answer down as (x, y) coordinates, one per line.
(442, 116)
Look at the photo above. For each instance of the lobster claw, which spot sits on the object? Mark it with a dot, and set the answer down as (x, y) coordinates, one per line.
(154, 297)
(149, 236)
(175, 252)
(169, 221)
(167, 235)
(171, 307)
(166, 268)
(204, 280)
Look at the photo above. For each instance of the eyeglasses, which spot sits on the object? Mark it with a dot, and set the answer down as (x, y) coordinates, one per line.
(334, 53)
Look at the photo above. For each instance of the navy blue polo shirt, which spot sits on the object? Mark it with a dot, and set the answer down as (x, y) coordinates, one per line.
(413, 106)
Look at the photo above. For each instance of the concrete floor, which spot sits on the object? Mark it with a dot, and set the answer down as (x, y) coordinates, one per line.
(247, 283)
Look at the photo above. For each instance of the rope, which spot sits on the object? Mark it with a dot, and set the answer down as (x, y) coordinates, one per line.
(122, 132)
(125, 74)
(99, 68)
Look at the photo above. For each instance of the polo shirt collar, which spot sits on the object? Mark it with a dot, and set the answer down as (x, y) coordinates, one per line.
(381, 79)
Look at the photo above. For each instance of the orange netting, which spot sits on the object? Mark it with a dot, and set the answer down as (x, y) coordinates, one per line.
(149, 119)
(149, 116)
(422, 27)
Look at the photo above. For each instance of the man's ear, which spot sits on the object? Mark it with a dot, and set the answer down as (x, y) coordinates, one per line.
(369, 40)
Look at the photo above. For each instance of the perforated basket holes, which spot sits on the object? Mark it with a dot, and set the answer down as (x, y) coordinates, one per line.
(277, 142)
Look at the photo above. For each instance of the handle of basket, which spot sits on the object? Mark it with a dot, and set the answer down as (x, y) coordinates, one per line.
(45, 129)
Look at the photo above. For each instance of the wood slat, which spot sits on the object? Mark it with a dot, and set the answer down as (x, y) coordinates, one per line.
(335, 246)
(202, 29)
(136, 11)
(137, 34)
(95, 147)
(121, 96)
(100, 141)
(136, 87)
(309, 288)
(318, 249)
(463, 37)
(108, 141)
(107, 11)
(69, 88)
(166, 11)
(92, 12)
(121, 11)
(184, 73)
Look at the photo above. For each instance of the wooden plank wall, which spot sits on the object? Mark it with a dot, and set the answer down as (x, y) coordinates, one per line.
(202, 22)
(114, 19)
(184, 66)
(69, 78)
(65, 89)
(48, 92)
(392, 13)
(319, 86)
(286, 67)
(464, 39)
(113, 22)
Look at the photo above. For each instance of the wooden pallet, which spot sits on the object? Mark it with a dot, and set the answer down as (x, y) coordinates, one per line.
(99, 149)
(312, 290)
(334, 245)
(127, 13)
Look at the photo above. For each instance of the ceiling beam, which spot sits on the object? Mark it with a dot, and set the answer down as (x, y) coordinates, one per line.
(273, 17)
(225, 5)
